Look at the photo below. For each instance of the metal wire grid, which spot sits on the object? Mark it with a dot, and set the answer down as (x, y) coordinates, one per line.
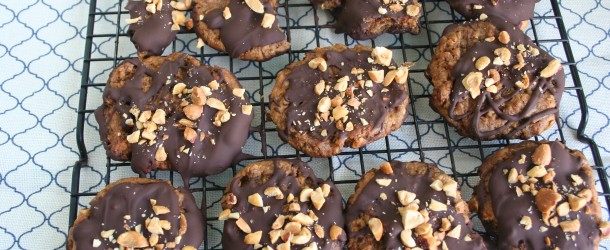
(263, 136)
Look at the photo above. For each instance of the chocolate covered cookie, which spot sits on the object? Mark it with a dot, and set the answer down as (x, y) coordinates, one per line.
(410, 205)
(491, 81)
(174, 113)
(517, 12)
(153, 25)
(245, 29)
(539, 195)
(339, 97)
(139, 213)
(280, 204)
(367, 19)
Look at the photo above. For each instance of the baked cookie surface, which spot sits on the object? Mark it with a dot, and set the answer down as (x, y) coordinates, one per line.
(407, 205)
(491, 81)
(339, 97)
(248, 30)
(539, 195)
(139, 213)
(153, 25)
(513, 11)
(367, 19)
(281, 204)
(174, 113)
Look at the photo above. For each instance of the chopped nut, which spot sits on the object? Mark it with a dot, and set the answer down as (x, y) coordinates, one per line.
(570, 225)
(224, 215)
(319, 87)
(274, 235)
(319, 230)
(325, 189)
(537, 172)
(376, 228)
(318, 63)
(160, 155)
(389, 77)
(472, 83)
(376, 76)
(382, 56)
(504, 55)
(246, 109)
(215, 104)
(302, 218)
(302, 237)
(576, 203)
(293, 227)
(407, 239)
(96, 243)
(339, 113)
(159, 117)
(382, 10)
(396, 7)
(193, 112)
(413, 10)
(200, 43)
(317, 198)
(256, 200)
(133, 20)
(546, 200)
(521, 85)
(405, 197)
(386, 168)
(437, 185)
(604, 228)
(253, 238)
(504, 37)
(437, 206)
(563, 209)
(159, 210)
(577, 180)
(482, 62)
(279, 222)
(256, 6)
(324, 104)
(284, 246)
(132, 239)
(190, 135)
(411, 219)
(526, 222)
(335, 232)
(312, 246)
(455, 232)
(383, 181)
(243, 225)
(341, 85)
(450, 188)
(542, 155)
(586, 194)
(268, 20)
(551, 69)
(107, 233)
(305, 194)
(133, 137)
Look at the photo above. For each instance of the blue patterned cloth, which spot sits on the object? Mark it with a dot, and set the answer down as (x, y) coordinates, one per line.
(41, 57)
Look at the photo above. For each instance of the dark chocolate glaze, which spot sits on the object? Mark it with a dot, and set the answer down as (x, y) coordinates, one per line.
(206, 157)
(352, 14)
(243, 31)
(513, 11)
(329, 214)
(368, 201)
(488, 102)
(154, 32)
(508, 208)
(301, 113)
(131, 199)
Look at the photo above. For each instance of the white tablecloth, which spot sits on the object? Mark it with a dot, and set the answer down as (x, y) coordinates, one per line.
(41, 56)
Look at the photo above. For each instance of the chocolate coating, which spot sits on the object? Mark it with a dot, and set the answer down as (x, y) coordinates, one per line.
(243, 33)
(291, 176)
(414, 177)
(501, 208)
(513, 11)
(361, 19)
(294, 102)
(149, 86)
(154, 32)
(514, 111)
(131, 197)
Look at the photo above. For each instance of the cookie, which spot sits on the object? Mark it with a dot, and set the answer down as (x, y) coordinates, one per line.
(153, 25)
(248, 30)
(138, 213)
(174, 113)
(409, 205)
(539, 195)
(339, 97)
(367, 19)
(491, 81)
(326, 4)
(281, 204)
(517, 12)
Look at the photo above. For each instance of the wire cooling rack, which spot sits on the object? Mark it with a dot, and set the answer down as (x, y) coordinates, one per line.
(424, 136)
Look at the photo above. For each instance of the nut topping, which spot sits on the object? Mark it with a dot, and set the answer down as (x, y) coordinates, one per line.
(160, 155)
(537, 172)
(376, 228)
(302, 218)
(504, 37)
(386, 168)
(526, 222)
(383, 181)
(335, 232)
(253, 238)
(482, 62)
(243, 226)
(317, 198)
(215, 104)
(576, 203)
(570, 226)
(256, 6)
(455, 232)
(382, 56)
(551, 69)
(437, 206)
(472, 83)
(132, 239)
(376, 76)
(405, 197)
(411, 219)
(256, 200)
(268, 20)
(413, 10)
(542, 155)
(226, 13)
(407, 239)
(318, 63)
(546, 200)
